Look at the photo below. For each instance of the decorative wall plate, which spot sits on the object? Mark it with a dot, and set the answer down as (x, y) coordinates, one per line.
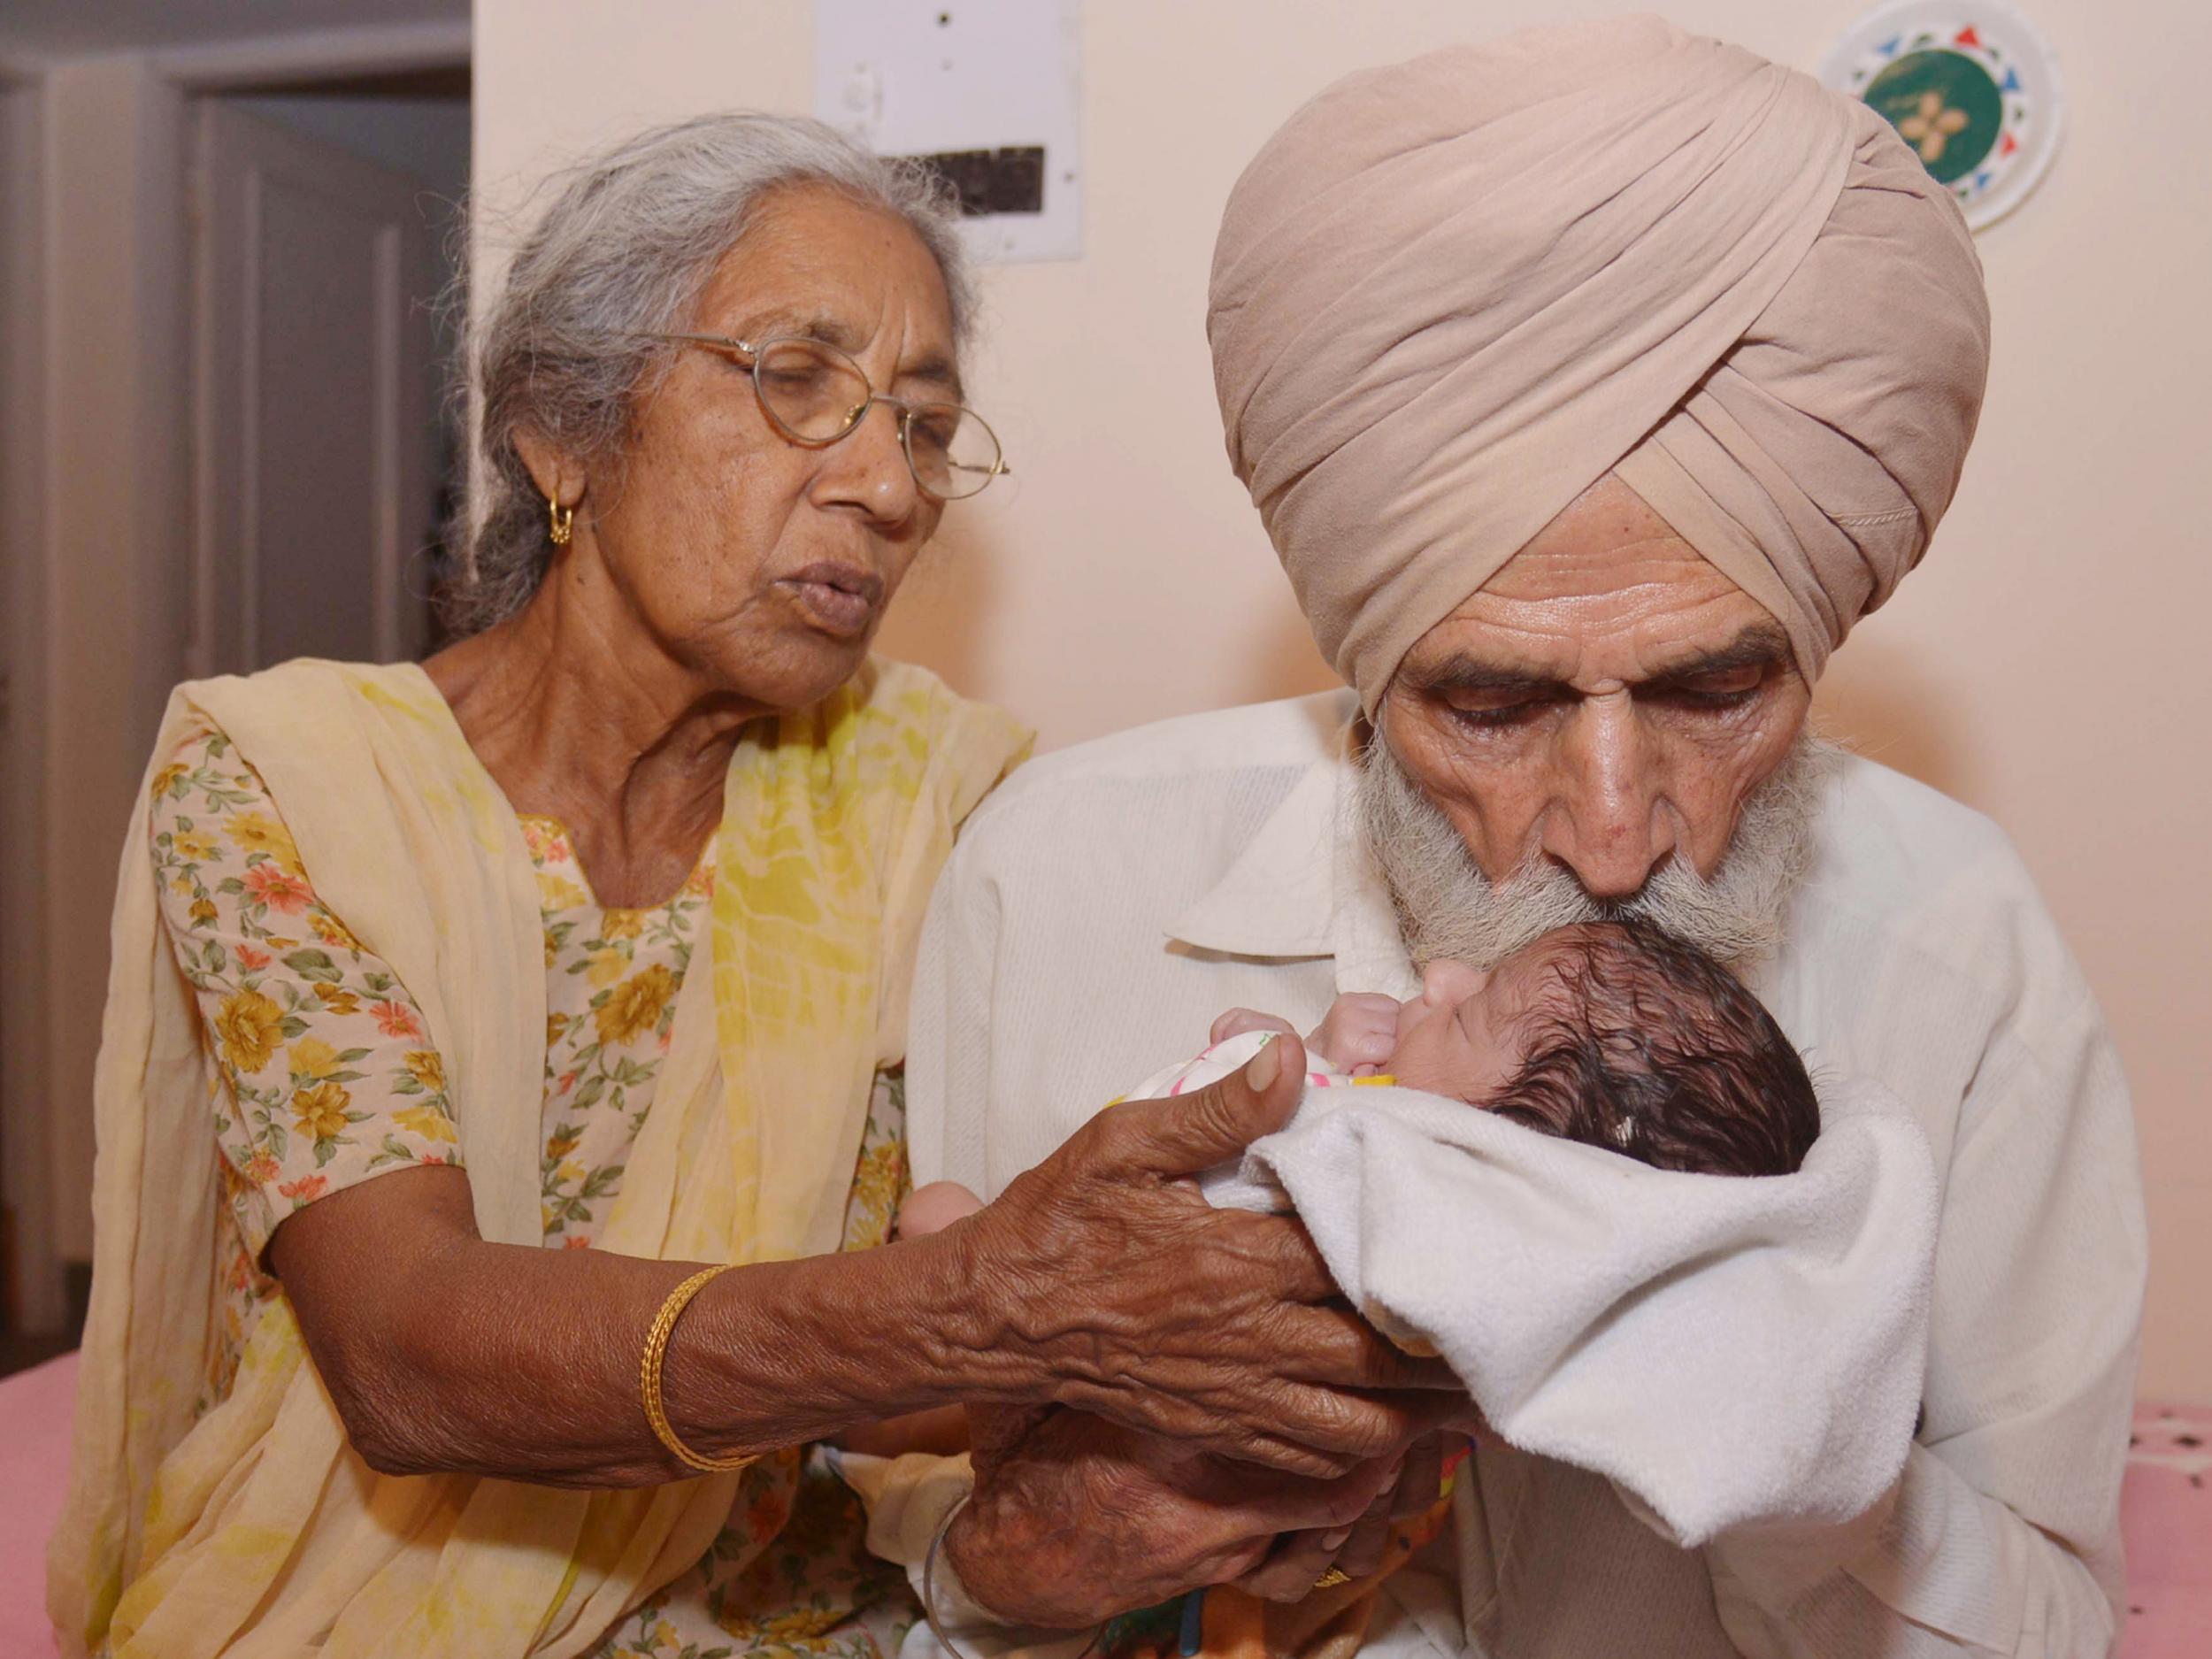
(1970, 84)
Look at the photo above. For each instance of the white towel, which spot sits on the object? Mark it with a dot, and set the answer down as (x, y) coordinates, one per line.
(1727, 1349)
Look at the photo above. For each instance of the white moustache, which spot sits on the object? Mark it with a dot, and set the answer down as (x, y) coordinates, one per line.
(1449, 909)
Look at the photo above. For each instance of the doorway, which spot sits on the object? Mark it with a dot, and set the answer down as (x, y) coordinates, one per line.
(223, 442)
(326, 229)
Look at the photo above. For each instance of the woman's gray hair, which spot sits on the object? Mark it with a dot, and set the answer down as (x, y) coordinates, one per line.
(625, 249)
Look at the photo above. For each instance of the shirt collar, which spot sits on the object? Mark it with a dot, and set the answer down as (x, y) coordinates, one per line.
(1306, 887)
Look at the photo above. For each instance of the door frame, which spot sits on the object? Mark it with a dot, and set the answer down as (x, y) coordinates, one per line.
(82, 712)
(33, 1298)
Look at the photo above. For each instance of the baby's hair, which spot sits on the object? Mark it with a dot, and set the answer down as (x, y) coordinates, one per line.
(1656, 1051)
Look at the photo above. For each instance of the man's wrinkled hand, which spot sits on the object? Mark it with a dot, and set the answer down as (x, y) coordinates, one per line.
(1075, 1519)
(1296, 1560)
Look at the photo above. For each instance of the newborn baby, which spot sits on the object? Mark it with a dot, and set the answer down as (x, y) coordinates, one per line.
(1607, 1033)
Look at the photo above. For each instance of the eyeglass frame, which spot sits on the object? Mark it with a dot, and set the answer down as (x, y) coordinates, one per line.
(904, 407)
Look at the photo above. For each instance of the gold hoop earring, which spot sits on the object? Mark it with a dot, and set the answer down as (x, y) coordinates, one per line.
(564, 520)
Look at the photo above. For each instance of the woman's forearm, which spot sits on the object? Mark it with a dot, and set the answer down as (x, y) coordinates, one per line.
(816, 1345)
(457, 1355)
(1098, 1279)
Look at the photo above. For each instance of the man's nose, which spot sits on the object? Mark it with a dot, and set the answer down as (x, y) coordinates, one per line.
(867, 469)
(1608, 823)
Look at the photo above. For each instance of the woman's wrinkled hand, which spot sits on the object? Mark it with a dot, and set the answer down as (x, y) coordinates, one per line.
(1107, 1280)
(1075, 1519)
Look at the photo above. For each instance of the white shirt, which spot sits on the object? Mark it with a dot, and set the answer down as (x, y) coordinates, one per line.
(1111, 899)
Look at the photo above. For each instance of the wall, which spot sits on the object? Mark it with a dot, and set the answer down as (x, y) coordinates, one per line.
(2045, 665)
(114, 556)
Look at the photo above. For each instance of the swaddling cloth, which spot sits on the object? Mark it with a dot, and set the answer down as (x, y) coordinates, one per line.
(1727, 1349)
(1224, 1057)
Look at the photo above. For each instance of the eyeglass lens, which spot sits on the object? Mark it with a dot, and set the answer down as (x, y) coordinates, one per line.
(817, 394)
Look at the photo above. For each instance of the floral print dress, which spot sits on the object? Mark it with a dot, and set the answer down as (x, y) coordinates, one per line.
(330, 1077)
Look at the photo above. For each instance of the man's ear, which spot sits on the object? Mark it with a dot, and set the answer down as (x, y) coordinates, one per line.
(559, 476)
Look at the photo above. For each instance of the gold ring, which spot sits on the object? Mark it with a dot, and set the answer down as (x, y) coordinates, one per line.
(1330, 1579)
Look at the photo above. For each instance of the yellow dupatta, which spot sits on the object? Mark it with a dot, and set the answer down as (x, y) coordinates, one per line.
(256, 1529)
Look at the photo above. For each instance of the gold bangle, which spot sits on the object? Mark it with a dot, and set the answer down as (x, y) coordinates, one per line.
(650, 1374)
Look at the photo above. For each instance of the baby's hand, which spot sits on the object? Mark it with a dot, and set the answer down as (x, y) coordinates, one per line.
(933, 1208)
(1237, 1021)
(1359, 1033)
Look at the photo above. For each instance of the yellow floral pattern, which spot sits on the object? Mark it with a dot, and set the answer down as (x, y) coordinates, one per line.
(881, 1179)
(611, 978)
(331, 1077)
(791, 1575)
(318, 1044)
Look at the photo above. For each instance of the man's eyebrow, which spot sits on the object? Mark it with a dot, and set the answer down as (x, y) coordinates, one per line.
(1463, 673)
(1760, 644)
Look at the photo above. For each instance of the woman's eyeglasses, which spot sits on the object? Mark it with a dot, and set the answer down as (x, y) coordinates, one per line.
(816, 395)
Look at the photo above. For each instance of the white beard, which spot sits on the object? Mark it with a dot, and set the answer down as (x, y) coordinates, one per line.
(1449, 909)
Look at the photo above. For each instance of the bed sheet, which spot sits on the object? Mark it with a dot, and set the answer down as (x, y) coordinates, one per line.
(37, 1407)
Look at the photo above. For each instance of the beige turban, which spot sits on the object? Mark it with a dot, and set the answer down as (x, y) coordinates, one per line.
(1450, 295)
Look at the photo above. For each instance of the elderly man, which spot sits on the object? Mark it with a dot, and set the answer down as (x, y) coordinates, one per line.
(1592, 384)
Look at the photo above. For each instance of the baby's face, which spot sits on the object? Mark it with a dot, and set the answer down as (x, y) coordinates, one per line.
(1464, 1036)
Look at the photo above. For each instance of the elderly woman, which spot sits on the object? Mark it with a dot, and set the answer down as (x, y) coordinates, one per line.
(433, 1177)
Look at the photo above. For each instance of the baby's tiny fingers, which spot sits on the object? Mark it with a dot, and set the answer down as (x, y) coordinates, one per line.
(1368, 1047)
(1238, 1021)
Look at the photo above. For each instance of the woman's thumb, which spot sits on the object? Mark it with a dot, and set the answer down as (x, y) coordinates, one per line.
(1214, 1124)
